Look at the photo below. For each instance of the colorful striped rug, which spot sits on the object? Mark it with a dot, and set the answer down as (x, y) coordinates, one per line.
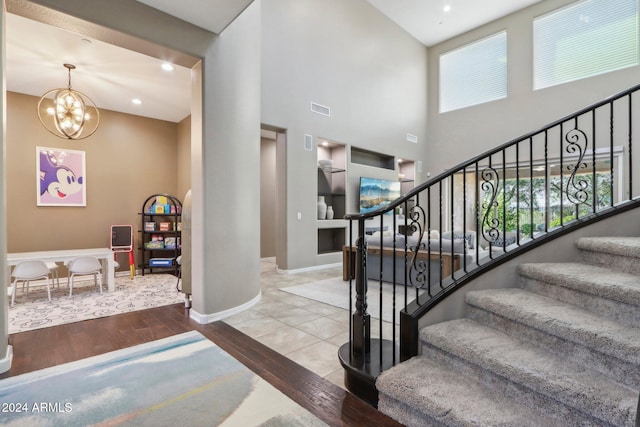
(183, 380)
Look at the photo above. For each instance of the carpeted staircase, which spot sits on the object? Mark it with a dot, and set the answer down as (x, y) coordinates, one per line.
(563, 349)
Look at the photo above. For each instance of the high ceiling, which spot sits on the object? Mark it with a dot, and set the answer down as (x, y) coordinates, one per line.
(428, 21)
(113, 76)
(109, 75)
(212, 15)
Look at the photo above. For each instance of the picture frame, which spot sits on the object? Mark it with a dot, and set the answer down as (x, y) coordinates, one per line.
(60, 177)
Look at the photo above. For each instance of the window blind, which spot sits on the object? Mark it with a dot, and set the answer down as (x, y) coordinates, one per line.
(584, 39)
(474, 74)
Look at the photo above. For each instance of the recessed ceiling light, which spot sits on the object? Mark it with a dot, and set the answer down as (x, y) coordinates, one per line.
(447, 8)
(136, 101)
(167, 67)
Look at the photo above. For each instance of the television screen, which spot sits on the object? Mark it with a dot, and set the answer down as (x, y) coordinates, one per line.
(376, 193)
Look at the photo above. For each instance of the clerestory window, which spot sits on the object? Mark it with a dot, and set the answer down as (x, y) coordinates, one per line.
(584, 39)
(474, 74)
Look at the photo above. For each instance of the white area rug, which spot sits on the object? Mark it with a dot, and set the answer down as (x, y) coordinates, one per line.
(34, 311)
(335, 292)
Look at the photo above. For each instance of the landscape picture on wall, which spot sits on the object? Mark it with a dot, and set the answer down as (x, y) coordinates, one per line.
(60, 179)
(377, 193)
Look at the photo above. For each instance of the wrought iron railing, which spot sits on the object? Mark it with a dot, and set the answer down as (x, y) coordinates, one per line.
(471, 218)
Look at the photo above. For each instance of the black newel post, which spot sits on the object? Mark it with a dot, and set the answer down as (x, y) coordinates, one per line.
(361, 319)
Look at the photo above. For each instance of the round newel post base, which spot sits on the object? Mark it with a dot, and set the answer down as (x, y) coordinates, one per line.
(362, 370)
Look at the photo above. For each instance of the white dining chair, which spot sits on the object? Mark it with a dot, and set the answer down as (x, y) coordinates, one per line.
(27, 271)
(53, 269)
(84, 266)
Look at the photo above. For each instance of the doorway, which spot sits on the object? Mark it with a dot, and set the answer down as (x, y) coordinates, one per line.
(272, 194)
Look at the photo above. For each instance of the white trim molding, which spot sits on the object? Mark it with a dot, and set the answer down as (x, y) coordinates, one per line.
(313, 268)
(5, 363)
(203, 319)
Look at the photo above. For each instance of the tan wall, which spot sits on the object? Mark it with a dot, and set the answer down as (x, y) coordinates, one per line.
(127, 159)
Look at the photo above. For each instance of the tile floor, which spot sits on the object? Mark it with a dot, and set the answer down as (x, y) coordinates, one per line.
(306, 331)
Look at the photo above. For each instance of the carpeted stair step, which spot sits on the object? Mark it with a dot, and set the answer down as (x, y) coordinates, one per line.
(564, 329)
(423, 392)
(617, 253)
(533, 376)
(602, 290)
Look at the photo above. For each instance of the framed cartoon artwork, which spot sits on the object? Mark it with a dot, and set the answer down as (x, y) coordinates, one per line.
(60, 177)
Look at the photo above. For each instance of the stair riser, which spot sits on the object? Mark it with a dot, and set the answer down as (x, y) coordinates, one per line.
(618, 311)
(615, 262)
(520, 393)
(569, 353)
(407, 415)
(620, 370)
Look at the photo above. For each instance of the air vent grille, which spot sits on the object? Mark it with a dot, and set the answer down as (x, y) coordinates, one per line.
(412, 138)
(321, 109)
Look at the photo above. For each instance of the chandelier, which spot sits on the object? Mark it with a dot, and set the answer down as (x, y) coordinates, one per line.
(67, 113)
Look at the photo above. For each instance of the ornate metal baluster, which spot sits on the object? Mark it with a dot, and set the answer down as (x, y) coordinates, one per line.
(576, 189)
(418, 269)
(490, 184)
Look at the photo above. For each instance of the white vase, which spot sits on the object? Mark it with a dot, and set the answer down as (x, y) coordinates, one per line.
(329, 212)
(322, 208)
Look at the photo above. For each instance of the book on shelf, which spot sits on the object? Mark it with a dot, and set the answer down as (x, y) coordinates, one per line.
(170, 243)
(150, 226)
(160, 262)
(154, 244)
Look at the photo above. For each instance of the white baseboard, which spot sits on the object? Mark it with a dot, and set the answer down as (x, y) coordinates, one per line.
(203, 319)
(5, 363)
(306, 269)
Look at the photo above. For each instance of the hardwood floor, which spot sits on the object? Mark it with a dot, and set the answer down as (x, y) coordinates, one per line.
(47, 347)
